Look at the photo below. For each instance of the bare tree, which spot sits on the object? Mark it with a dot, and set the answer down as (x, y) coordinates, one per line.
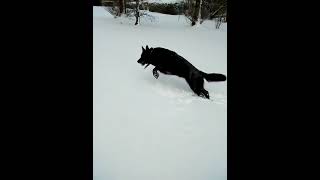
(197, 12)
(141, 10)
(193, 11)
(122, 7)
(131, 9)
(137, 13)
(219, 7)
(115, 7)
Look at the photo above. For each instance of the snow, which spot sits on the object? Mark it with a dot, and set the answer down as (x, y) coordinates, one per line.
(147, 128)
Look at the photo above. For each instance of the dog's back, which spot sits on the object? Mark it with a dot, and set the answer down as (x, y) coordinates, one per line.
(171, 62)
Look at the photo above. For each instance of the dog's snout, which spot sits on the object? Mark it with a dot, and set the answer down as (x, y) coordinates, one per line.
(141, 62)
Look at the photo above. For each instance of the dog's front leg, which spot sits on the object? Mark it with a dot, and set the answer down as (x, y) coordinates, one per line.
(155, 72)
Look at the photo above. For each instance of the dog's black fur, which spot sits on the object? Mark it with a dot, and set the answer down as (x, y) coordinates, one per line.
(169, 62)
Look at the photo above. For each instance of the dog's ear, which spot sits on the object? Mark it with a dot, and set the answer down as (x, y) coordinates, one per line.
(143, 49)
(147, 48)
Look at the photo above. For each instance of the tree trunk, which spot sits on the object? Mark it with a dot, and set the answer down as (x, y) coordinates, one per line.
(197, 12)
(137, 15)
(121, 6)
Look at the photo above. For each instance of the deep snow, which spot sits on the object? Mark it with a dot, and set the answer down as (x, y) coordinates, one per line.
(157, 129)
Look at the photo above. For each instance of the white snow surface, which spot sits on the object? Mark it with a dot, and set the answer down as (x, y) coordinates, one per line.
(157, 129)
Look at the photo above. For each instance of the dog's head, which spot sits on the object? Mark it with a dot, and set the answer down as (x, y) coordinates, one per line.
(145, 57)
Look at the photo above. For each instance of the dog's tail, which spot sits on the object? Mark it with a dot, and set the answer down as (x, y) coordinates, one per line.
(214, 77)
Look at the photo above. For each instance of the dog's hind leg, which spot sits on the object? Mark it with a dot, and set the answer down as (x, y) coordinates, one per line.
(204, 93)
(196, 84)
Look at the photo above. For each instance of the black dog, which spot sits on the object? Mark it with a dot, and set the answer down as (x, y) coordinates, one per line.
(169, 62)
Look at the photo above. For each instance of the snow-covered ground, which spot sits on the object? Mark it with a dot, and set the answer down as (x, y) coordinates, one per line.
(157, 129)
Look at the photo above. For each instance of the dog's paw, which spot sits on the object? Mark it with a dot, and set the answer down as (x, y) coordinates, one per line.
(156, 74)
(204, 94)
